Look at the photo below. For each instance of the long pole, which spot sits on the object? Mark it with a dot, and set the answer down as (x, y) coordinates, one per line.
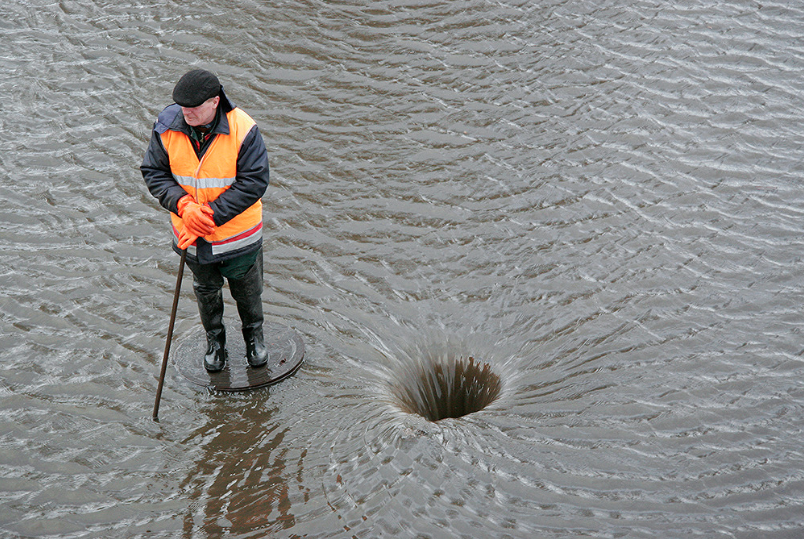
(169, 335)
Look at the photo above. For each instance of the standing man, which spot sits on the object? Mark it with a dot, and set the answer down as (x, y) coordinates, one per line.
(206, 163)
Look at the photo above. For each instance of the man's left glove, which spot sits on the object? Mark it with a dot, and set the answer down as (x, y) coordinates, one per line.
(197, 217)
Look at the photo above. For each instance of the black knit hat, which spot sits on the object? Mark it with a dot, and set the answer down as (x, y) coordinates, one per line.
(195, 87)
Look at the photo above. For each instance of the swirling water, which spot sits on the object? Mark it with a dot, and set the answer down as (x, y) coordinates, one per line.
(600, 200)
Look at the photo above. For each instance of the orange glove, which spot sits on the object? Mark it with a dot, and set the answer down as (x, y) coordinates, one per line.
(186, 239)
(197, 218)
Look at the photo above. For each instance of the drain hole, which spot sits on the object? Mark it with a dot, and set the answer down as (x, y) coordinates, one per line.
(447, 389)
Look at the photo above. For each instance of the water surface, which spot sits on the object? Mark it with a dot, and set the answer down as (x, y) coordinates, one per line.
(600, 201)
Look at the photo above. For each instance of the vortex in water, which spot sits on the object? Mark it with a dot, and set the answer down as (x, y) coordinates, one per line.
(447, 389)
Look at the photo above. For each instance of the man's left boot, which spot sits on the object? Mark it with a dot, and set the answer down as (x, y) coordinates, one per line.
(256, 353)
(247, 293)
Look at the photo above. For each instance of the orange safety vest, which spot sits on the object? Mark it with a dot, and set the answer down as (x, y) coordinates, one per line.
(207, 178)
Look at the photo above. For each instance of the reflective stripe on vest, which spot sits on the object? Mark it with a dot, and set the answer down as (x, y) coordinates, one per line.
(208, 178)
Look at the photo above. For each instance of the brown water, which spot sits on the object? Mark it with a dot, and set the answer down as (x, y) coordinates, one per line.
(600, 200)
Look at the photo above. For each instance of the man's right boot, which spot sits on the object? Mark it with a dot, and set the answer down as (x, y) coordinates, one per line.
(210, 307)
(215, 358)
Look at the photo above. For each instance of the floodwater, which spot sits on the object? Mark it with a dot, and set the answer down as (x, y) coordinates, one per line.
(599, 201)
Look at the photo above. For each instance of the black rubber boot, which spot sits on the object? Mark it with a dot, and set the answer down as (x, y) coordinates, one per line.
(247, 293)
(210, 307)
(256, 353)
(215, 358)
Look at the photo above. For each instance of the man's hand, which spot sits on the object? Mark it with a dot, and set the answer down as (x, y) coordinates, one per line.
(197, 218)
(186, 239)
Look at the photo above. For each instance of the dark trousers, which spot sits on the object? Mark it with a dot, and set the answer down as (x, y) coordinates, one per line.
(245, 285)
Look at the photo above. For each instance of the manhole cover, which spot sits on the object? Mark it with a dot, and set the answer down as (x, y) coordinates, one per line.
(285, 354)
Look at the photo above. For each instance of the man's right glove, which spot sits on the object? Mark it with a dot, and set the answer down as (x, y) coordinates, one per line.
(186, 239)
(197, 218)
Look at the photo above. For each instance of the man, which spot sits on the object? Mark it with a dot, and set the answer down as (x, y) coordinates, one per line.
(206, 163)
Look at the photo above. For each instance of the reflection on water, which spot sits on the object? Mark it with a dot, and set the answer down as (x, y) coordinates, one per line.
(601, 202)
(241, 475)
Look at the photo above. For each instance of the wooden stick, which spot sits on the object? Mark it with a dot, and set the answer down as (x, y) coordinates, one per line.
(169, 335)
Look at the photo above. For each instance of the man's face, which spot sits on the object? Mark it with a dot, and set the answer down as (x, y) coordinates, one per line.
(203, 113)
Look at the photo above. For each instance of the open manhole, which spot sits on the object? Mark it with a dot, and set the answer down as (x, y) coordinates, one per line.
(448, 388)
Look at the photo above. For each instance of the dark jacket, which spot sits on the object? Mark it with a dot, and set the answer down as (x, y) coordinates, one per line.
(252, 168)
